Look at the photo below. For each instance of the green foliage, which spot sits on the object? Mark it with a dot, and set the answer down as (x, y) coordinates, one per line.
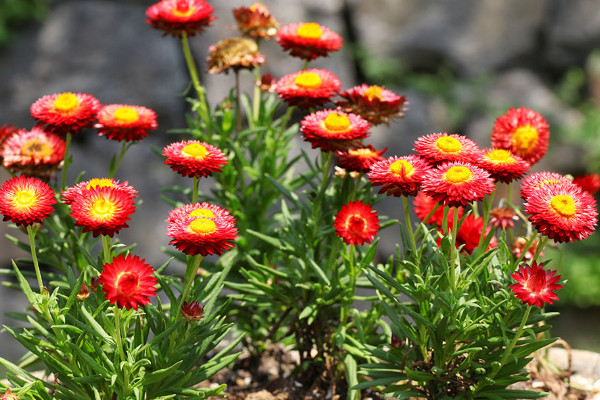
(14, 13)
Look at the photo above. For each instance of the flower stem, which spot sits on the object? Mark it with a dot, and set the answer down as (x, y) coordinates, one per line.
(257, 95)
(120, 344)
(190, 274)
(115, 167)
(540, 247)
(66, 161)
(238, 122)
(31, 235)
(195, 191)
(409, 226)
(487, 207)
(453, 249)
(517, 336)
(106, 244)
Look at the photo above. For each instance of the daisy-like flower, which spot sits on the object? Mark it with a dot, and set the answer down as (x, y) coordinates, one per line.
(194, 158)
(234, 53)
(590, 183)
(502, 165)
(77, 191)
(128, 282)
(309, 88)
(256, 21)
(192, 311)
(424, 206)
(522, 131)
(518, 247)
(469, 234)
(535, 286)
(34, 153)
(66, 112)
(563, 212)
(124, 122)
(399, 176)
(539, 180)
(356, 223)
(25, 200)
(174, 17)
(457, 183)
(360, 159)
(102, 210)
(201, 228)
(503, 217)
(442, 147)
(374, 103)
(332, 130)
(308, 40)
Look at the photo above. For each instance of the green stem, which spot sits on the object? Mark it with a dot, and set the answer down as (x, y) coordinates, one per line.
(525, 250)
(190, 274)
(285, 120)
(195, 191)
(257, 96)
(124, 148)
(409, 227)
(120, 344)
(66, 161)
(238, 122)
(323, 187)
(540, 247)
(31, 235)
(512, 344)
(305, 66)
(352, 272)
(453, 249)
(106, 244)
(487, 207)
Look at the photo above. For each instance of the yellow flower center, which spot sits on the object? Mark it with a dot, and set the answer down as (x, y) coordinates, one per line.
(126, 115)
(500, 156)
(24, 199)
(103, 209)
(195, 150)
(66, 102)
(458, 174)
(402, 168)
(366, 152)
(373, 92)
(97, 182)
(310, 30)
(525, 138)
(336, 123)
(203, 226)
(448, 145)
(308, 80)
(563, 205)
(183, 9)
(36, 148)
(202, 213)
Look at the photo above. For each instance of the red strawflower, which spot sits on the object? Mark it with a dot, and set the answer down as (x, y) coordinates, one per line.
(201, 229)
(590, 183)
(308, 40)
(503, 217)
(356, 223)
(424, 206)
(502, 165)
(309, 88)
(399, 176)
(174, 17)
(128, 282)
(374, 103)
(332, 130)
(256, 21)
(518, 246)
(123, 122)
(539, 180)
(522, 131)
(563, 212)
(359, 159)
(457, 183)
(77, 191)
(437, 148)
(194, 158)
(535, 286)
(34, 153)
(192, 311)
(469, 234)
(9, 395)
(7, 131)
(25, 200)
(66, 112)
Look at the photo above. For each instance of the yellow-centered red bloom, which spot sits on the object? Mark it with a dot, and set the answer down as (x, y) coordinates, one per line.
(308, 40)
(256, 21)
(399, 176)
(79, 190)
(25, 200)
(309, 88)
(359, 159)
(66, 112)
(356, 223)
(194, 158)
(535, 286)
(174, 17)
(34, 153)
(332, 130)
(374, 103)
(442, 147)
(124, 122)
(538, 180)
(502, 165)
(128, 282)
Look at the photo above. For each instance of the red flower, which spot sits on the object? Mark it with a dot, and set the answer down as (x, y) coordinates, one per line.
(539, 180)
(442, 147)
(66, 112)
(424, 206)
(590, 183)
(201, 229)
(359, 159)
(457, 183)
(518, 246)
(469, 234)
(535, 286)
(192, 311)
(174, 17)
(7, 131)
(502, 165)
(503, 217)
(563, 212)
(26, 201)
(128, 281)
(308, 40)
(374, 103)
(9, 395)
(194, 158)
(522, 131)
(356, 223)
(78, 191)
(122, 122)
(332, 130)
(256, 21)
(399, 176)
(309, 88)
(35, 152)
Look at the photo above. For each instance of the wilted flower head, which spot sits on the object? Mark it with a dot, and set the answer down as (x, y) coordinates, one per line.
(590, 183)
(308, 88)
(308, 40)
(128, 282)
(535, 286)
(374, 103)
(356, 223)
(234, 53)
(66, 112)
(332, 130)
(124, 122)
(256, 21)
(25, 200)
(192, 311)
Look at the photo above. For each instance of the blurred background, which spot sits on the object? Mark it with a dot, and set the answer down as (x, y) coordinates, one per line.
(460, 63)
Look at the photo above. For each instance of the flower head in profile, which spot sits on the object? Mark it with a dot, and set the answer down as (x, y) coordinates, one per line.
(539, 180)
(309, 88)
(174, 17)
(192, 312)
(332, 130)
(308, 40)
(66, 112)
(359, 159)
(374, 103)
(128, 282)
(34, 153)
(457, 183)
(431, 212)
(535, 286)
(522, 131)
(201, 228)
(356, 223)
(73, 193)
(442, 147)
(256, 21)
(122, 122)
(563, 212)
(502, 165)
(399, 176)
(234, 53)
(194, 158)
(26, 200)
(590, 183)
(503, 217)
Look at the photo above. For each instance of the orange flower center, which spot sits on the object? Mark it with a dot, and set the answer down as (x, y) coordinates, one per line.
(336, 123)
(202, 213)
(563, 205)
(356, 224)
(127, 283)
(373, 92)
(525, 138)
(36, 148)
(310, 30)
(308, 80)
(103, 209)
(24, 199)
(402, 168)
(500, 156)
(66, 102)
(183, 9)
(448, 145)
(203, 226)
(458, 174)
(195, 150)
(97, 182)
(126, 115)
